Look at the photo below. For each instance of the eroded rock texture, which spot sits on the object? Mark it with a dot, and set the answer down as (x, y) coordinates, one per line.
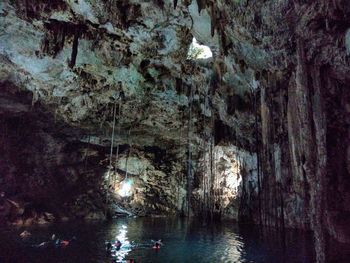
(258, 133)
(303, 73)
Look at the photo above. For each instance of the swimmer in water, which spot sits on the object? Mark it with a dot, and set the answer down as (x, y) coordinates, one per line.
(108, 246)
(157, 244)
(65, 243)
(47, 243)
(118, 244)
(25, 234)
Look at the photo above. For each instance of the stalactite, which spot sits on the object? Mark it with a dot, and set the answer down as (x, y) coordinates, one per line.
(75, 47)
(159, 3)
(86, 154)
(203, 186)
(319, 122)
(273, 181)
(201, 5)
(213, 24)
(189, 161)
(26, 8)
(126, 162)
(110, 156)
(223, 40)
(222, 20)
(34, 9)
(243, 214)
(265, 172)
(217, 74)
(207, 155)
(257, 153)
(55, 37)
(59, 39)
(113, 129)
(175, 4)
(118, 130)
(181, 116)
(211, 174)
(283, 228)
(180, 88)
(212, 180)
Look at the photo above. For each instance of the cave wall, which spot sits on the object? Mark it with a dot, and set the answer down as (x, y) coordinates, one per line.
(42, 163)
(84, 60)
(226, 184)
(53, 171)
(299, 159)
(78, 60)
(298, 51)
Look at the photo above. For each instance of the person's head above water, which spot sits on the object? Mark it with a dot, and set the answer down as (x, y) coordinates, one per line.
(53, 237)
(25, 234)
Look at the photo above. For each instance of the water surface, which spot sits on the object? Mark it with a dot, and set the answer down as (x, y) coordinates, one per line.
(184, 241)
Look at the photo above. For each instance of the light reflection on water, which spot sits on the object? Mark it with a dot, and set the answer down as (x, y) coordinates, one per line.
(184, 241)
(120, 254)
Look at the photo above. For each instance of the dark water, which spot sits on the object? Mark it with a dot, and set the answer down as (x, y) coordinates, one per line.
(183, 242)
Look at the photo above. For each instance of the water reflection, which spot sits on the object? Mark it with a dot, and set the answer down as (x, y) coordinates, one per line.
(233, 250)
(184, 241)
(119, 253)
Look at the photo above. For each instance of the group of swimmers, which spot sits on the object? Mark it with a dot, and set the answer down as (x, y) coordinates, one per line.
(56, 242)
(53, 242)
(113, 248)
(117, 245)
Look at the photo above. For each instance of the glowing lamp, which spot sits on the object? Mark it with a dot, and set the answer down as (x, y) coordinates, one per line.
(125, 188)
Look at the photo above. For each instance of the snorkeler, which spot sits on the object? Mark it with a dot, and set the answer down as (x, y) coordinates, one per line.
(65, 243)
(118, 244)
(108, 246)
(48, 243)
(55, 242)
(157, 244)
(25, 234)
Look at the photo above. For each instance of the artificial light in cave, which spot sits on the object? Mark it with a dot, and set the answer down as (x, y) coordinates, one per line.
(125, 188)
(234, 178)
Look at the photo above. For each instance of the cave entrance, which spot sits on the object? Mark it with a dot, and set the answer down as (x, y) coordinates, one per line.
(198, 51)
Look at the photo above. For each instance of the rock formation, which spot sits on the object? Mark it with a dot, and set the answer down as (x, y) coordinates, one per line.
(96, 91)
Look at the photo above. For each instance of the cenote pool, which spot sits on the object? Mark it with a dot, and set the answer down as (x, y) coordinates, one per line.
(184, 241)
